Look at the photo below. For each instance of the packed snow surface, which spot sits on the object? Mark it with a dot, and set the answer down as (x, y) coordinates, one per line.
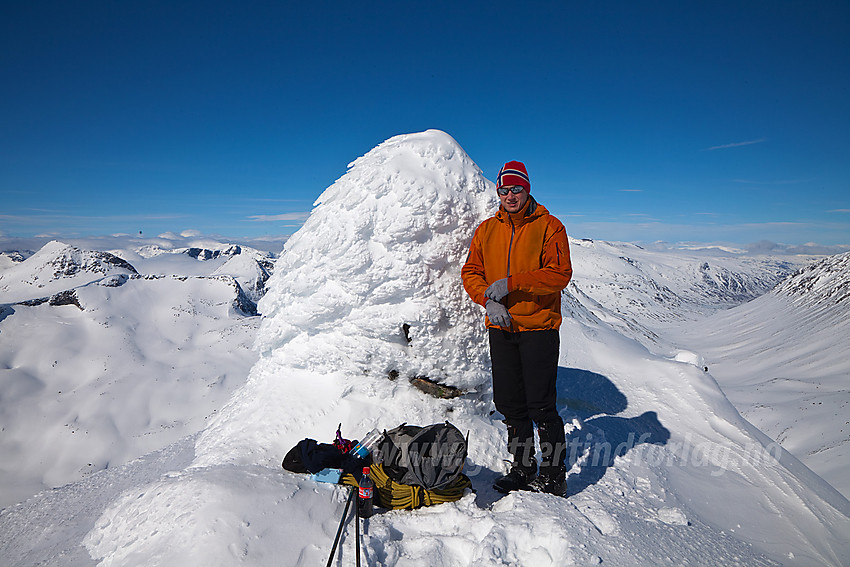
(664, 470)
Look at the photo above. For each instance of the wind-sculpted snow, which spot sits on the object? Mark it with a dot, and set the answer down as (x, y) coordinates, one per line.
(371, 283)
(366, 296)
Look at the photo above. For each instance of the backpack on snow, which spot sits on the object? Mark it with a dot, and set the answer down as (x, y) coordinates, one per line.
(431, 457)
(420, 466)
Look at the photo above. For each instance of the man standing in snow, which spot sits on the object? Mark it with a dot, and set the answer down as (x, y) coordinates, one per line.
(518, 263)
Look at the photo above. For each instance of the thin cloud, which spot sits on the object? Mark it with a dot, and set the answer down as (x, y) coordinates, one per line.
(271, 200)
(281, 217)
(53, 217)
(736, 144)
(779, 182)
(776, 224)
(839, 211)
(631, 190)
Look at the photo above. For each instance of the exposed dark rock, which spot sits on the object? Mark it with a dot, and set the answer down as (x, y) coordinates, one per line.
(432, 388)
(207, 254)
(243, 303)
(68, 297)
(115, 281)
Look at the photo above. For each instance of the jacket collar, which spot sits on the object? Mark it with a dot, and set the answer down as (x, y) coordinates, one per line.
(526, 213)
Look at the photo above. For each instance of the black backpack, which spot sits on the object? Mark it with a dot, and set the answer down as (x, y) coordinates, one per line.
(431, 457)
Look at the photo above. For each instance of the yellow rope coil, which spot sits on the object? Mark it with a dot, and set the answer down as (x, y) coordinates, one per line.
(390, 494)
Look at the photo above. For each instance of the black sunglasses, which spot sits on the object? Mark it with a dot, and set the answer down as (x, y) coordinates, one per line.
(515, 189)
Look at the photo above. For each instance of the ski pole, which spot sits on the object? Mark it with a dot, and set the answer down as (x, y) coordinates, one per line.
(357, 532)
(341, 523)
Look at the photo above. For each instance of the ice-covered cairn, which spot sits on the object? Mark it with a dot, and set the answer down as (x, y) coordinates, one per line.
(371, 282)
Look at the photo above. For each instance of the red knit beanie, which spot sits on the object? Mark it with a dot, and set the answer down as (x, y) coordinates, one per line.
(513, 173)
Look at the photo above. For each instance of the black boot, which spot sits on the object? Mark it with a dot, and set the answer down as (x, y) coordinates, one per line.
(551, 480)
(553, 441)
(519, 478)
(553, 446)
(521, 447)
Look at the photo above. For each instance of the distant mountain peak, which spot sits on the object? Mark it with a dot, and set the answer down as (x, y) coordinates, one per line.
(211, 254)
(58, 267)
(65, 260)
(57, 260)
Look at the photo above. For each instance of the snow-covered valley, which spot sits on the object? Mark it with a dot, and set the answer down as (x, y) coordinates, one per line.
(781, 360)
(140, 427)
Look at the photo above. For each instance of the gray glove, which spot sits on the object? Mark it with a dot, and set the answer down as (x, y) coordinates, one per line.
(498, 314)
(497, 290)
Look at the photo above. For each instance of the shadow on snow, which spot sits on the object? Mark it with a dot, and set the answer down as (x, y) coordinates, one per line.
(603, 436)
(593, 401)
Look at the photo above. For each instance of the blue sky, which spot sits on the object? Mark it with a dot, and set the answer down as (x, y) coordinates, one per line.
(638, 121)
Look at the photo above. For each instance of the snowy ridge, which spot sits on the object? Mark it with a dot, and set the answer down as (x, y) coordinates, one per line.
(59, 268)
(9, 258)
(641, 291)
(250, 267)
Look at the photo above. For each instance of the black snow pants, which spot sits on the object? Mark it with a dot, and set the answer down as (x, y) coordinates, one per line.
(525, 371)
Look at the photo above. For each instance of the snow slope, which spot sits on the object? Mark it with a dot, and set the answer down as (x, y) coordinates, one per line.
(782, 360)
(663, 468)
(114, 365)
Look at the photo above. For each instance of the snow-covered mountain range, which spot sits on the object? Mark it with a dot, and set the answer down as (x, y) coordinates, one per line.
(642, 291)
(162, 431)
(107, 356)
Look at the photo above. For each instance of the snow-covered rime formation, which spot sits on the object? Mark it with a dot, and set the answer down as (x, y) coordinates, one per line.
(374, 272)
(366, 295)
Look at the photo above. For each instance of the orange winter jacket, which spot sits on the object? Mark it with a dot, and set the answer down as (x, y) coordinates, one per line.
(531, 249)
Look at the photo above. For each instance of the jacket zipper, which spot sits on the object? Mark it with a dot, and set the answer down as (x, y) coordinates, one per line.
(510, 245)
(510, 249)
